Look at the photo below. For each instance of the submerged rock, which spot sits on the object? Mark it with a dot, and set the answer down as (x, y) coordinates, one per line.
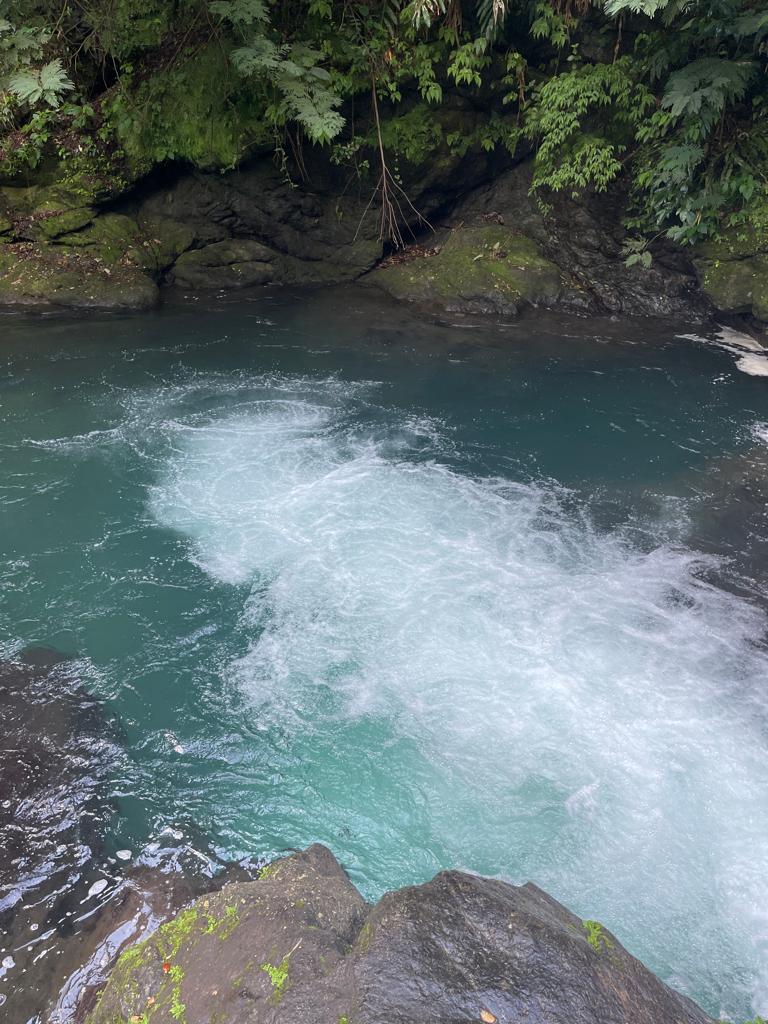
(300, 945)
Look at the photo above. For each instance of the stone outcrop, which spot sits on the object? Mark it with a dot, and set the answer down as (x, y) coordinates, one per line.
(478, 268)
(584, 240)
(300, 945)
(733, 272)
(494, 250)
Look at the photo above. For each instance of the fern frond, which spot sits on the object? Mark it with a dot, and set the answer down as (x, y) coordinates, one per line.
(241, 12)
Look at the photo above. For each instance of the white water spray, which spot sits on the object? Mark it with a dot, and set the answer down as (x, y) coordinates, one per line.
(591, 716)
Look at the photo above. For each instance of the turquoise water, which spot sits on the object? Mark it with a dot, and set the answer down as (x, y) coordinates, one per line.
(433, 595)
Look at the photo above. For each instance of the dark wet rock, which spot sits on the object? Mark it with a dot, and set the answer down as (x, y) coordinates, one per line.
(300, 946)
(584, 238)
(55, 751)
(313, 230)
(140, 903)
(233, 263)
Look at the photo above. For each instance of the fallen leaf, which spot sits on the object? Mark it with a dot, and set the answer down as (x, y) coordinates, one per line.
(487, 1016)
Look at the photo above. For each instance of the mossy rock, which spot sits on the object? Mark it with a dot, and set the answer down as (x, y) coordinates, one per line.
(480, 269)
(241, 954)
(233, 263)
(109, 236)
(45, 213)
(163, 240)
(740, 242)
(300, 946)
(737, 286)
(153, 244)
(50, 221)
(44, 275)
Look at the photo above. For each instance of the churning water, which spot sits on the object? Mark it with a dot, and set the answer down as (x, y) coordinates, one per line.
(434, 596)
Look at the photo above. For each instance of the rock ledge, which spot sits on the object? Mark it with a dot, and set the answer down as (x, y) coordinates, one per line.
(301, 946)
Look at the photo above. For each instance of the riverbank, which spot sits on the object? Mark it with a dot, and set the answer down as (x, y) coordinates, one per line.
(489, 251)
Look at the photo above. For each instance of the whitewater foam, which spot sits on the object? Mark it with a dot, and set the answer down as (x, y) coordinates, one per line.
(751, 357)
(553, 702)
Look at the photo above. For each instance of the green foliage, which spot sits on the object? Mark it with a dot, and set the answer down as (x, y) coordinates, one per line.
(46, 84)
(195, 112)
(108, 89)
(278, 976)
(704, 87)
(583, 121)
(469, 61)
(22, 77)
(124, 28)
(297, 85)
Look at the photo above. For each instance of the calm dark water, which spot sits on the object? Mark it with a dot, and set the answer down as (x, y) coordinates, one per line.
(434, 595)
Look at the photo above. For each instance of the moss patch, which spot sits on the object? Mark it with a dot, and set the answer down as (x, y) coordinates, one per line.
(41, 275)
(196, 110)
(737, 286)
(484, 268)
(596, 936)
(278, 976)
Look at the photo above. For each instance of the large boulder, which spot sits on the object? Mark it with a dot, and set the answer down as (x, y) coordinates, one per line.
(733, 270)
(48, 275)
(300, 946)
(480, 268)
(232, 263)
(584, 237)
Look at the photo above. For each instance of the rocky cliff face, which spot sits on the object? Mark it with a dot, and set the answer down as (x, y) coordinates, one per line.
(489, 248)
(300, 945)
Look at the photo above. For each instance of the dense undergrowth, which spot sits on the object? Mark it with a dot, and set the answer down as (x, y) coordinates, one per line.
(668, 96)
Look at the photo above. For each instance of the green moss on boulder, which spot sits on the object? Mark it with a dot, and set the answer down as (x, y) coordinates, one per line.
(44, 275)
(737, 286)
(480, 269)
(163, 240)
(733, 271)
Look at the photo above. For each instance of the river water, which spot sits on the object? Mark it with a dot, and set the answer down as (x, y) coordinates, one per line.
(435, 595)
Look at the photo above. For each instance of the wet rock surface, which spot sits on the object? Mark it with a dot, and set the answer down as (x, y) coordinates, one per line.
(68, 903)
(300, 945)
(255, 226)
(55, 752)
